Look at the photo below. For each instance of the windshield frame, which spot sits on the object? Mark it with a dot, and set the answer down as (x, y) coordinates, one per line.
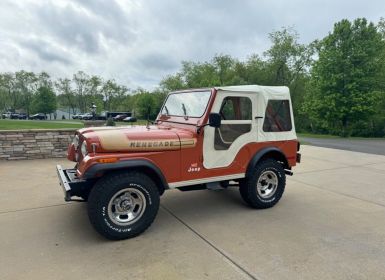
(195, 91)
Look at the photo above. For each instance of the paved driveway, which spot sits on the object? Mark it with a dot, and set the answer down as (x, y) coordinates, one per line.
(370, 146)
(329, 225)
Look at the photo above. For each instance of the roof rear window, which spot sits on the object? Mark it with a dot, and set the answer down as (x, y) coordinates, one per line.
(277, 116)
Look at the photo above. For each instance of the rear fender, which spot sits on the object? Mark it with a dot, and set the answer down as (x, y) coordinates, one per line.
(269, 152)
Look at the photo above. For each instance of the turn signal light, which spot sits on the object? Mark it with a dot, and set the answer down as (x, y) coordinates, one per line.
(107, 160)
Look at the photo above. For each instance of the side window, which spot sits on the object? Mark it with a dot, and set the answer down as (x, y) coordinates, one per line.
(277, 116)
(236, 113)
(236, 108)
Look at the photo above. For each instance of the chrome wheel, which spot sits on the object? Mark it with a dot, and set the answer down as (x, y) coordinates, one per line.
(126, 206)
(267, 184)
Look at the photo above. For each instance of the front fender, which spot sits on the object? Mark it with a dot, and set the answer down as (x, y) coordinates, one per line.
(145, 165)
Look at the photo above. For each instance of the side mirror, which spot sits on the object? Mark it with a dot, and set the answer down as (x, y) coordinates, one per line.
(215, 120)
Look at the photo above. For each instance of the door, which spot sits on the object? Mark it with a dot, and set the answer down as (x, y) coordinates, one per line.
(221, 145)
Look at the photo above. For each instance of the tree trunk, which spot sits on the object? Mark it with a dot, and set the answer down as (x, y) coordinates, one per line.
(345, 124)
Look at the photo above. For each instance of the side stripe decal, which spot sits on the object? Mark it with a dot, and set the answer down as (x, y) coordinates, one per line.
(205, 180)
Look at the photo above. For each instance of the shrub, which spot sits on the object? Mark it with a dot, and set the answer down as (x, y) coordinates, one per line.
(110, 122)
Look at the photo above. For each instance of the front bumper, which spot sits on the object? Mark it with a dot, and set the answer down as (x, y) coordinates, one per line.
(72, 185)
(64, 182)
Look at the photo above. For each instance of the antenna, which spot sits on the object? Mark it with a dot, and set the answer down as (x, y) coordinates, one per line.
(148, 117)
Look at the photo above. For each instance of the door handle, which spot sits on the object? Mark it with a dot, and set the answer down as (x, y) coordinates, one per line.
(258, 117)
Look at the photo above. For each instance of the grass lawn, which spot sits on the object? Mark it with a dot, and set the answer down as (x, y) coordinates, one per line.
(139, 122)
(325, 136)
(28, 124)
(311, 135)
(57, 124)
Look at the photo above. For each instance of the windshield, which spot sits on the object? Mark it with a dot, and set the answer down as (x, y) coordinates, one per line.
(190, 104)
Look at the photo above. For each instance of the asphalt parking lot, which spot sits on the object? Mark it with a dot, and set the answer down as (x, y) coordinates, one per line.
(330, 224)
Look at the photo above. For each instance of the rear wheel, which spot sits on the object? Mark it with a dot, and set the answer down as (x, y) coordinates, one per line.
(123, 205)
(264, 188)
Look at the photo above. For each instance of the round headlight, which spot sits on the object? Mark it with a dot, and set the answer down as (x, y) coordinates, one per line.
(83, 149)
(75, 141)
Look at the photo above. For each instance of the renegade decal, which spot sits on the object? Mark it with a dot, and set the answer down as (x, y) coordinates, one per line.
(117, 141)
(187, 143)
(146, 145)
(153, 144)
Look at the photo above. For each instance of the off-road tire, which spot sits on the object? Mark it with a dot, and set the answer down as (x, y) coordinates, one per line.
(84, 196)
(248, 186)
(101, 196)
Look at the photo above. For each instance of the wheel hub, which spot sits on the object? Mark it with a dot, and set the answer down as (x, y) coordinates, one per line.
(267, 184)
(126, 206)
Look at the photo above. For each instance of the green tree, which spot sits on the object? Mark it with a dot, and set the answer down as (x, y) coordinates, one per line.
(345, 78)
(44, 101)
(66, 97)
(254, 71)
(26, 84)
(287, 64)
(121, 101)
(159, 97)
(287, 59)
(93, 93)
(199, 75)
(225, 67)
(80, 80)
(377, 122)
(44, 80)
(173, 82)
(94, 85)
(221, 70)
(109, 90)
(145, 104)
(3, 95)
(381, 27)
(9, 92)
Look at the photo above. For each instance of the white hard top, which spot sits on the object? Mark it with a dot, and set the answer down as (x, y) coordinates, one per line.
(260, 95)
(265, 90)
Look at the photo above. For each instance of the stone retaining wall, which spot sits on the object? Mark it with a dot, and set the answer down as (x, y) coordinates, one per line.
(34, 144)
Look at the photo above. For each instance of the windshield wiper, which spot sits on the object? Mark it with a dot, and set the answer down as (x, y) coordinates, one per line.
(167, 112)
(184, 111)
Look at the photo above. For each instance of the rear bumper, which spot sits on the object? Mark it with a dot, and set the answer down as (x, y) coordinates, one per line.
(71, 185)
(298, 158)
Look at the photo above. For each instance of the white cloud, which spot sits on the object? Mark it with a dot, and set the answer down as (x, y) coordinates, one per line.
(139, 42)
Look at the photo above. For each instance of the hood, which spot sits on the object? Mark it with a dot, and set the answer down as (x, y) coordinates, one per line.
(137, 138)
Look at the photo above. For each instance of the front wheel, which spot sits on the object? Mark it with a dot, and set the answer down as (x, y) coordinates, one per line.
(123, 205)
(264, 188)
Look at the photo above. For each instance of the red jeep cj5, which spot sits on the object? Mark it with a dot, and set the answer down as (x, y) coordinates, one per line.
(240, 136)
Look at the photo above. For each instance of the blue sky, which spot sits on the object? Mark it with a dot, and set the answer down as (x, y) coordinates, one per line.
(137, 42)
